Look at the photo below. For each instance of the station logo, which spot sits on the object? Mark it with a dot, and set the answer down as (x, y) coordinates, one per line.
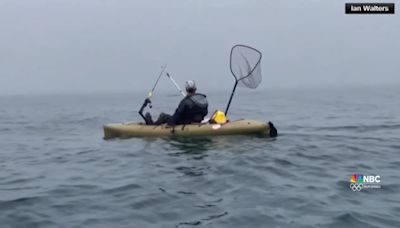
(360, 181)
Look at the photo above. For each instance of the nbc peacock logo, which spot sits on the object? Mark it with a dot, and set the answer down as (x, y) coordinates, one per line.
(360, 181)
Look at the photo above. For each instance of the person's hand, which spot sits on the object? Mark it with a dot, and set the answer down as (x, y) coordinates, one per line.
(147, 101)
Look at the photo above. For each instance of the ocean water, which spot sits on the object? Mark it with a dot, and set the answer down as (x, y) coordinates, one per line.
(57, 171)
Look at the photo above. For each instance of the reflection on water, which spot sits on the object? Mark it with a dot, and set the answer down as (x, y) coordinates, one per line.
(194, 146)
(199, 145)
(190, 146)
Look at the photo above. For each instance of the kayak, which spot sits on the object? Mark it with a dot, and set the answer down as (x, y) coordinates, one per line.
(238, 127)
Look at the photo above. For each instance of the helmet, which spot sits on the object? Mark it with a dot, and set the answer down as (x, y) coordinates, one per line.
(190, 86)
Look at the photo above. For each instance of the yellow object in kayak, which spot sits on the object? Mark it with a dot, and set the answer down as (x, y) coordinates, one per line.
(218, 117)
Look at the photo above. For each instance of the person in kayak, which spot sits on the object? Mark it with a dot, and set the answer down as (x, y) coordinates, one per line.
(192, 109)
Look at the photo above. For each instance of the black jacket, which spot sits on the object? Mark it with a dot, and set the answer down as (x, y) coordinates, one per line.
(192, 109)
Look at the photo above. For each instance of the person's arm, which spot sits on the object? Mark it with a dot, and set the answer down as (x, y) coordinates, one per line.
(178, 113)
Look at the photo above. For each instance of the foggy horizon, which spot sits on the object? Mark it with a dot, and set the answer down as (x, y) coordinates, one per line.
(52, 47)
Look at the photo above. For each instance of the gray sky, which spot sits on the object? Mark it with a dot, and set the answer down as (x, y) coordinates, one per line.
(67, 46)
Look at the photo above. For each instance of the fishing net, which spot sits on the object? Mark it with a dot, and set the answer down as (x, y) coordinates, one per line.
(245, 66)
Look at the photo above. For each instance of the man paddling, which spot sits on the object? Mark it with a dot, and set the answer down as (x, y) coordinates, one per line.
(192, 109)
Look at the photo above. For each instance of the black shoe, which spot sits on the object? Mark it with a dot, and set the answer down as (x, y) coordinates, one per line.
(148, 119)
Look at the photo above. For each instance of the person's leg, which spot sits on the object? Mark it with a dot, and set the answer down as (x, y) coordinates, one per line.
(163, 118)
(148, 119)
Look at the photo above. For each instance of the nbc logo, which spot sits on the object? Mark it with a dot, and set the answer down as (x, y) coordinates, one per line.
(359, 182)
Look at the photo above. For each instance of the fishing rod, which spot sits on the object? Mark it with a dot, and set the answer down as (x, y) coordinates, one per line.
(147, 101)
(150, 94)
(176, 85)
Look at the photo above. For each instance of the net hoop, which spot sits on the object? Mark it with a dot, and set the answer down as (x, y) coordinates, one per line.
(255, 66)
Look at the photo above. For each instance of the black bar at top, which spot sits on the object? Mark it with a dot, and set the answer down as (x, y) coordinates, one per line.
(369, 8)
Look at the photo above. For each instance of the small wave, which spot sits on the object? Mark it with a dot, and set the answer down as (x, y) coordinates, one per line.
(194, 223)
(20, 188)
(21, 180)
(349, 219)
(337, 136)
(211, 217)
(186, 193)
(81, 152)
(124, 188)
(279, 171)
(92, 119)
(343, 185)
(322, 157)
(7, 204)
(390, 188)
(215, 201)
(199, 222)
(5, 129)
(395, 146)
(193, 171)
(360, 128)
(28, 218)
(360, 166)
(283, 162)
(72, 190)
(205, 206)
(394, 164)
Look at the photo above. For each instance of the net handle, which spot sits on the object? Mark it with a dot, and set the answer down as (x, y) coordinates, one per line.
(255, 67)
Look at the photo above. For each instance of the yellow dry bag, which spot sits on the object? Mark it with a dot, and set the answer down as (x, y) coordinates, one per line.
(218, 117)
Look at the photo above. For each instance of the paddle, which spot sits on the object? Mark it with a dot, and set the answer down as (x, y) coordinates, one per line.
(245, 68)
(147, 101)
